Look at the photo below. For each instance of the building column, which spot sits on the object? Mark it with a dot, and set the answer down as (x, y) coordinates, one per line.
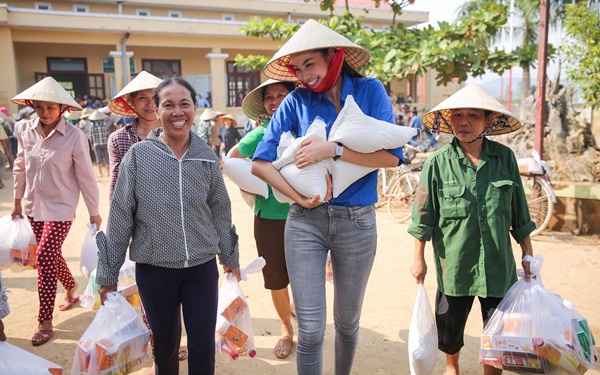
(119, 72)
(218, 75)
(8, 73)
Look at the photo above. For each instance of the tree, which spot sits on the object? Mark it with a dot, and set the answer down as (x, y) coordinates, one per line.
(581, 51)
(452, 50)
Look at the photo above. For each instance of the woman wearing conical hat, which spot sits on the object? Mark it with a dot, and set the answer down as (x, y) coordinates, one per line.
(470, 202)
(52, 168)
(134, 100)
(269, 215)
(99, 133)
(326, 64)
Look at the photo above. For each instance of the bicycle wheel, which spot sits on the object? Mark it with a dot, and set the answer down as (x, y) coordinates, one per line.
(381, 197)
(539, 202)
(401, 196)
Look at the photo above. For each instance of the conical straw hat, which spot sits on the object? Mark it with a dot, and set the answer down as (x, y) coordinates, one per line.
(143, 81)
(231, 118)
(46, 90)
(75, 115)
(86, 112)
(472, 96)
(208, 114)
(253, 104)
(313, 35)
(97, 116)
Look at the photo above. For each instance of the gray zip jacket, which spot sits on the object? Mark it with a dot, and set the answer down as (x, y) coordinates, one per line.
(176, 213)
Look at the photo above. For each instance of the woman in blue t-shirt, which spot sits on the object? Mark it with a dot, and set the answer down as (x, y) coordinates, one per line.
(326, 64)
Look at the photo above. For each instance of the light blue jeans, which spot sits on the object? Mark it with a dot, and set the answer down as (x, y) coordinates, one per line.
(351, 235)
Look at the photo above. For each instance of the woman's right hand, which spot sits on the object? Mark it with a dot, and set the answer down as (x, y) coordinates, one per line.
(315, 201)
(17, 210)
(105, 290)
(419, 270)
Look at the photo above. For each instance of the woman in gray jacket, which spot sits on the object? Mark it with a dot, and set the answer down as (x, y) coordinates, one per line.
(170, 200)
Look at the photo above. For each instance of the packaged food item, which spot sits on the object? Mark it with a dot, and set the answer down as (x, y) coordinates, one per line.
(24, 257)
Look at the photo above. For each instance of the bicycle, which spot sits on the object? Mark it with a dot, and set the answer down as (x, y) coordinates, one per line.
(397, 187)
(538, 190)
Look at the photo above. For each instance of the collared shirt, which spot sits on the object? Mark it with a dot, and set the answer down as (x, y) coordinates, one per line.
(119, 142)
(469, 213)
(99, 133)
(169, 212)
(50, 172)
(301, 107)
(266, 208)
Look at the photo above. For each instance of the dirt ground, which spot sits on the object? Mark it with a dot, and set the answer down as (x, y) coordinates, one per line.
(570, 269)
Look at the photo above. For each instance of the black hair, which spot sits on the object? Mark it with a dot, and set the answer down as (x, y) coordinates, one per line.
(289, 85)
(174, 81)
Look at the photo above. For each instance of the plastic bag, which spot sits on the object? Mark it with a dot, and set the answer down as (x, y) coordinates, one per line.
(422, 336)
(89, 252)
(114, 343)
(18, 247)
(126, 286)
(233, 334)
(16, 361)
(536, 331)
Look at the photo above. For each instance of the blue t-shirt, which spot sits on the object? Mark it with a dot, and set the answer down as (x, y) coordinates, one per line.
(300, 108)
(416, 122)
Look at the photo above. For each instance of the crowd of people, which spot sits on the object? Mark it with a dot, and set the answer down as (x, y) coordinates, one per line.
(165, 174)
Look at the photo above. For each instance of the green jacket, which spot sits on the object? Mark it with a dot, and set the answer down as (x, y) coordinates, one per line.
(468, 213)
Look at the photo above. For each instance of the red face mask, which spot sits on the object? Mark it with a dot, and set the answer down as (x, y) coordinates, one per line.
(333, 73)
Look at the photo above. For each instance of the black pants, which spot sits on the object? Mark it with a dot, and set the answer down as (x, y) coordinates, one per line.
(164, 291)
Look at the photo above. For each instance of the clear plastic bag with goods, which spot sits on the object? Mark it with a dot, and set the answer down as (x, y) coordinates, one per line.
(89, 252)
(536, 331)
(126, 286)
(422, 336)
(18, 247)
(233, 335)
(16, 361)
(116, 341)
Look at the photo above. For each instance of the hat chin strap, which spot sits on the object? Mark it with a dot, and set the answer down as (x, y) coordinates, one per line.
(66, 108)
(332, 76)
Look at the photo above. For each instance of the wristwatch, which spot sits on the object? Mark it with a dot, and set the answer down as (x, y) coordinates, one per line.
(339, 150)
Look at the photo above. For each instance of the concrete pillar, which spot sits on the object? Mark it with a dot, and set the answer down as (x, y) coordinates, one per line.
(218, 75)
(8, 73)
(118, 58)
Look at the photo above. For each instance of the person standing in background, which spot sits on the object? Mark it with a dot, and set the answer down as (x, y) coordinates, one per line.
(100, 140)
(4, 153)
(52, 169)
(228, 134)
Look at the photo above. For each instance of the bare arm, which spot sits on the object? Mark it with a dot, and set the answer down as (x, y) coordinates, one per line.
(419, 266)
(314, 151)
(235, 153)
(268, 173)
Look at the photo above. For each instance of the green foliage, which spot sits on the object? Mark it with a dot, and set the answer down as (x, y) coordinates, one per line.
(454, 50)
(581, 51)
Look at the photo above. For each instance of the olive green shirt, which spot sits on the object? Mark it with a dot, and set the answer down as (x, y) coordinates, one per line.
(468, 213)
(266, 208)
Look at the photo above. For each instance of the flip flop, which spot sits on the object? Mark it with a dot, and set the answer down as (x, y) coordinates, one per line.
(67, 303)
(283, 348)
(41, 336)
(182, 354)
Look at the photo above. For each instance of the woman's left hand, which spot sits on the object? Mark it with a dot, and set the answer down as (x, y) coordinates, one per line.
(235, 271)
(314, 151)
(96, 220)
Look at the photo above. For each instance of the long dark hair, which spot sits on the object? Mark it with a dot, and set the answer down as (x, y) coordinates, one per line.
(346, 68)
(173, 81)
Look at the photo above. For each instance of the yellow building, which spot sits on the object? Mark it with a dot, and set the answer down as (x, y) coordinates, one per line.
(93, 47)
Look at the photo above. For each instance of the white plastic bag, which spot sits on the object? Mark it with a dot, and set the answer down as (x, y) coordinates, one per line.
(535, 330)
(114, 343)
(233, 334)
(89, 252)
(422, 336)
(17, 239)
(126, 286)
(16, 361)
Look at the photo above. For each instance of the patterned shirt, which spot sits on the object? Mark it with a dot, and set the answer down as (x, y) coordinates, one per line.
(119, 142)
(469, 213)
(205, 131)
(169, 212)
(99, 133)
(4, 310)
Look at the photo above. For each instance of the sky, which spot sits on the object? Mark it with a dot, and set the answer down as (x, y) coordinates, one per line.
(447, 10)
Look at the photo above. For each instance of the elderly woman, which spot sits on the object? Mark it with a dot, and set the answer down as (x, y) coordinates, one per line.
(326, 64)
(134, 100)
(171, 209)
(52, 168)
(269, 215)
(468, 204)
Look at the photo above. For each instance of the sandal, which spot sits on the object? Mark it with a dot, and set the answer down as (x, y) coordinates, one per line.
(183, 353)
(41, 336)
(284, 347)
(67, 303)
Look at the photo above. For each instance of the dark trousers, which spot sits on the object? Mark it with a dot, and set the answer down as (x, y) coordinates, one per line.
(164, 292)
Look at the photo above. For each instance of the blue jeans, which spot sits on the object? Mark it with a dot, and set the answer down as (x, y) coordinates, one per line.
(351, 235)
